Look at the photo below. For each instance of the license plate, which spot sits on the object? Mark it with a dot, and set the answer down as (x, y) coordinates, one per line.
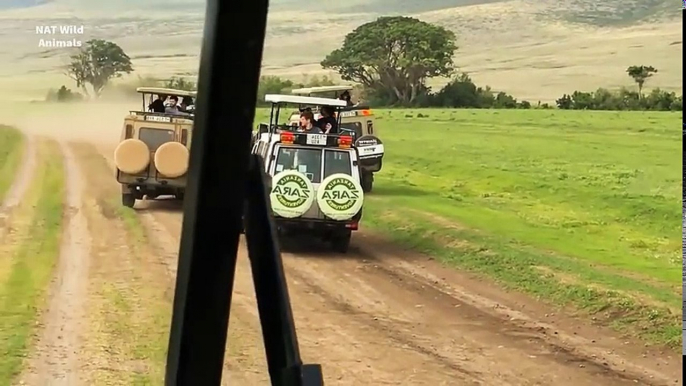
(155, 118)
(316, 139)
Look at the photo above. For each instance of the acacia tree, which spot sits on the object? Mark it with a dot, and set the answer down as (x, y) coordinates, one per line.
(96, 63)
(640, 74)
(394, 56)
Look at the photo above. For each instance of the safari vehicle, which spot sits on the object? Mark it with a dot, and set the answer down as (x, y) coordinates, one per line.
(358, 119)
(152, 158)
(315, 178)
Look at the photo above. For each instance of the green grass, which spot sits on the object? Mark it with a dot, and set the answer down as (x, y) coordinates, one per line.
(11, 151)
(577, 208)
(22, 293)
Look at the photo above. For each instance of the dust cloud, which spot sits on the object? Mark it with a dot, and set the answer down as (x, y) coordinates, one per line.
(97, 122)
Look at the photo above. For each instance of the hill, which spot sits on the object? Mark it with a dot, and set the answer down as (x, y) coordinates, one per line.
(533, 49)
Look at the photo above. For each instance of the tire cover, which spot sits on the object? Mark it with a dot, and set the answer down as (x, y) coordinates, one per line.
(340, 197)
(369, 146)
(132, 156)
(171, 159)
(292, 194)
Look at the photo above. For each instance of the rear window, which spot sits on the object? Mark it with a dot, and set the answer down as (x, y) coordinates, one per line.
(306, 161)
(352, 127)
(154, 138)
(336, 162)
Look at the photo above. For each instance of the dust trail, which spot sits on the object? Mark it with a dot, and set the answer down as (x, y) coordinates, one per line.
(56, 360)
(21, 180)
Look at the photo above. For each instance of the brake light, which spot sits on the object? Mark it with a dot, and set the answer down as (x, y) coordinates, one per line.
(352, 225)
(287, 138)
(345, 141)
(366, 113)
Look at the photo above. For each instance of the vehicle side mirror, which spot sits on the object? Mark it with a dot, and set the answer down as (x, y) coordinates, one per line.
(263, 128)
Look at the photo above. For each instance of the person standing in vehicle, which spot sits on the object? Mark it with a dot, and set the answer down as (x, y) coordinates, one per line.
(173, 107)
(307, 123)
(327, 123)
(186, 102)
(157, 106)
(345, 96)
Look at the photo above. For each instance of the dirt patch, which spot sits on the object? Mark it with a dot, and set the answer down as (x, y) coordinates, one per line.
(246, 363)
(585, 340)
(55, 359)
(130, 294)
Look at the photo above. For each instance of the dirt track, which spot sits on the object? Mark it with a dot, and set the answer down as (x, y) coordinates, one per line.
(377, 316)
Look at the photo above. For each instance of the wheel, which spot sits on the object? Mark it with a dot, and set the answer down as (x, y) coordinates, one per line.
(128, 200)
(341, 241)
(367, 181)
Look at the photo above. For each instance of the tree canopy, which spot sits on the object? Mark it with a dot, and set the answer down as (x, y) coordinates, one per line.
(640, 74)
(394, 56)
(96, 63)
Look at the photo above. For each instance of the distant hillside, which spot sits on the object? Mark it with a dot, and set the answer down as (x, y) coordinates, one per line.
(597, 13)
(14, 4)
(535, 49)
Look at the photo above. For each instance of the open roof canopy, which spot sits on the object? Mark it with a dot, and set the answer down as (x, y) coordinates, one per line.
(304, 100)
(321, 89)
(165, 91)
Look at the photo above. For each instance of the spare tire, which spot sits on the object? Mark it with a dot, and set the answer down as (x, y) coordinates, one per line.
(171, 159)
(369, 146)
(132, 156)
(340, 197)
(292, 194)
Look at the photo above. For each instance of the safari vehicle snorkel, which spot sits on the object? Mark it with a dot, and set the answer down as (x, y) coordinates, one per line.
(358, 119)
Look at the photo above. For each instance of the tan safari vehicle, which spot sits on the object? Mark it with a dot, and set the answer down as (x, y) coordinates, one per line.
(356, 120)
(152, 158)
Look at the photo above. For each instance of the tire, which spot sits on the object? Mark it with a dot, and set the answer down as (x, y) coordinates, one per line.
(340, 242)
(367, 182)
(128, 200)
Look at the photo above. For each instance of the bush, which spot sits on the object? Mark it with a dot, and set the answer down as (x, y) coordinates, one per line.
(461, 92)
(179, 83)
(623, 99)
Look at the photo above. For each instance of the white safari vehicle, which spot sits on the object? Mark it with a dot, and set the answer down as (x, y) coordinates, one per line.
(358, 120)
(152, 157)
(315, 178)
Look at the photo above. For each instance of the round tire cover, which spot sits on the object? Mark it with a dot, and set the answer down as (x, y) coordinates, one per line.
(340, 197)
(171, 159)
(292, 194)
(132, 156)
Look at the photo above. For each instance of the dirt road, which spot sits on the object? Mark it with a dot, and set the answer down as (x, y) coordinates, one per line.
(376, 316)
(394, 317)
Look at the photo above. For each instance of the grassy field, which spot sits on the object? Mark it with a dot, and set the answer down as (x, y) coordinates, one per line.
(577, 208)
(28, 257)
(11, 150)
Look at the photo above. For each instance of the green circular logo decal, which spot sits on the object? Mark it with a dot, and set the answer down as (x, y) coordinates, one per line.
(292, 194)
(340, 197)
